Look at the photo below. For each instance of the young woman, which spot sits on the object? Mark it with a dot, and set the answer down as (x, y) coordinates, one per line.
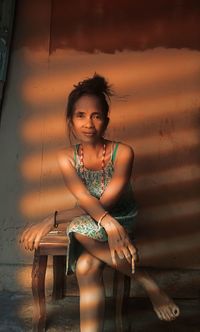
(97, 171)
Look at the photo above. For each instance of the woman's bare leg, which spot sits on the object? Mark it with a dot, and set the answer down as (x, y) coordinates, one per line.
(164, 307)
(92, 294)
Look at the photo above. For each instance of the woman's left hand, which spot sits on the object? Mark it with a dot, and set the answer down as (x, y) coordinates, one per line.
(119, 242)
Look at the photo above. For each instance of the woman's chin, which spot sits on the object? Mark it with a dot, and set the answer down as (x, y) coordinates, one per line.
(90, 138)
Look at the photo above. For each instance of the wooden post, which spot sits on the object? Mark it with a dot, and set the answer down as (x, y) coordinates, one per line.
(7, 10)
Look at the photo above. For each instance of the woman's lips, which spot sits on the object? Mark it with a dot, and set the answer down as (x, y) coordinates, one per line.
(89, 134)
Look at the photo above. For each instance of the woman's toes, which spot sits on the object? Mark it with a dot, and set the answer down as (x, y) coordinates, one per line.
(158, 313)
(176, 311)
(164, 313)
(171, 312)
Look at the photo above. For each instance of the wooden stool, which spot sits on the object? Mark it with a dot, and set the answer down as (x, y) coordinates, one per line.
(55, 244)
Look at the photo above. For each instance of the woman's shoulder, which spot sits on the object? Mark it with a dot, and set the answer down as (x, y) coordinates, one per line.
(66, 153)
(123, 153)
(124, 148)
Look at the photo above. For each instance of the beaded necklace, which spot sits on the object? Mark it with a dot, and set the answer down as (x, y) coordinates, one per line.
(102, 164)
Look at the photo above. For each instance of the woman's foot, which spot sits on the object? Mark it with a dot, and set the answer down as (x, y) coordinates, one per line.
(164, 307)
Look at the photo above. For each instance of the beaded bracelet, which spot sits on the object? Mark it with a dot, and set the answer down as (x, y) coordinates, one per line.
(101, 218)
(55, 224)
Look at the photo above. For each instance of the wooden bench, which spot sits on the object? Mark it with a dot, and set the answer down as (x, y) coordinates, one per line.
(55, 244)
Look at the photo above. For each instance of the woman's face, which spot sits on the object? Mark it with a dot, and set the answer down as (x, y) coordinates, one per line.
(88, 121)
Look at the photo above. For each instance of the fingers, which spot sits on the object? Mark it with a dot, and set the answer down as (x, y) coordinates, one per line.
(128, 244)
(28, 237)
(126, 253)
(38, 238)
(29, 242)
(34, 240)
(129, 253)
(133, 252)
(32, 235)
(121, 245)
(132, 265)
(112, 252)
(25, 232)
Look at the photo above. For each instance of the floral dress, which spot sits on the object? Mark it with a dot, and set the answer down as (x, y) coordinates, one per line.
(124, 211)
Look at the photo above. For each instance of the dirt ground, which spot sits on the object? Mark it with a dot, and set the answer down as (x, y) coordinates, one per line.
(16, 315)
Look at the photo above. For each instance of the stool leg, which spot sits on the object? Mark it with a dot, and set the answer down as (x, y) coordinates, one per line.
(38, 290)
(121, 291)
(127, 288)
(59, 276)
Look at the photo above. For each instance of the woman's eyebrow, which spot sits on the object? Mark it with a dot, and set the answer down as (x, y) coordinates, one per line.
(82, 112)
(96, 113)
(79, 112)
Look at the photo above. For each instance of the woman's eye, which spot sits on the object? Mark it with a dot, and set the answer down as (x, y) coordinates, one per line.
(79, 115)
(97, 116)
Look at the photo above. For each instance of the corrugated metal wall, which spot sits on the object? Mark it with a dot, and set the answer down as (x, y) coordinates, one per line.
(155, 72)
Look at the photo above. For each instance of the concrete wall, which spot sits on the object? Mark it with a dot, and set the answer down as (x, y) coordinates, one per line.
(156, 111)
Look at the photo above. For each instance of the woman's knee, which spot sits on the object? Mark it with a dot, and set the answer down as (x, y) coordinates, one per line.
(88, 266)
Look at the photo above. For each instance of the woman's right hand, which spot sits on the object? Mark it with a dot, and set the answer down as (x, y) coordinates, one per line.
(119, 242)
(32, 235)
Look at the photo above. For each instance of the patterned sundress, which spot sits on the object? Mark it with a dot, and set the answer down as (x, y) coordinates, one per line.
(124, 211)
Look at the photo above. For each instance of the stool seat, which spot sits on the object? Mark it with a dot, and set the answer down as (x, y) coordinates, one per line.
(55, 244)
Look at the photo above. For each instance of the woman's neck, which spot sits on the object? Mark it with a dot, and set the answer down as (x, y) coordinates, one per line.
(94, 147)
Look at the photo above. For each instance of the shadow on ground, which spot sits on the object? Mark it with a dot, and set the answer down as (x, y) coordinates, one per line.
(16, 315)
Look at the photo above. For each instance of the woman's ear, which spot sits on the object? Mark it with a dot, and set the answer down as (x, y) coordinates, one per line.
(106, 124)
(69, 123)
(71, 128)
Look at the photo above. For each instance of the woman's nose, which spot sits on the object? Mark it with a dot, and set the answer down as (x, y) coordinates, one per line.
(89, 123)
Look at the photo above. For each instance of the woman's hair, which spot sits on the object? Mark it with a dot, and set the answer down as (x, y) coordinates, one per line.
(95, 86)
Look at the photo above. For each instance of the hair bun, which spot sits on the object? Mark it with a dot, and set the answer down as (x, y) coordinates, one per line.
(97, 85)
(100, 84)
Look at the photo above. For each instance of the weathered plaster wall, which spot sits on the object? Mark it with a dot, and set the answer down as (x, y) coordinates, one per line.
(156, 111)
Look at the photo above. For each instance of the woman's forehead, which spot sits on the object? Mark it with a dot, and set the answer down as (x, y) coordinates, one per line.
(87, 103)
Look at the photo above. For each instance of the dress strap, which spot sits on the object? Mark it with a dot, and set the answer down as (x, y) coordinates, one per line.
(75, 153)
(114, 152)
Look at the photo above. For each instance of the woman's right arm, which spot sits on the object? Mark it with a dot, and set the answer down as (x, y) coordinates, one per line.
(32, 235)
